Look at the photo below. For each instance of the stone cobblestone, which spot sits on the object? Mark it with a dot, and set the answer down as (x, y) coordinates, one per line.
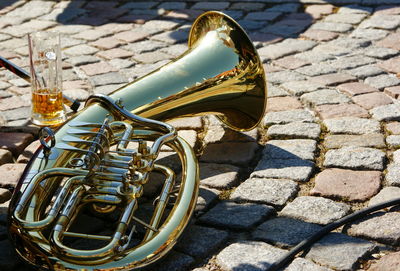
(345, 257)
(315, 209)
(268, 191)
(355, 158)
(332, 69)
(347, 184)
(284, 232)
(352, 125)
(236, 216)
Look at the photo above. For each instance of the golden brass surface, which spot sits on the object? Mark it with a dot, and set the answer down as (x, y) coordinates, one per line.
(100, 161)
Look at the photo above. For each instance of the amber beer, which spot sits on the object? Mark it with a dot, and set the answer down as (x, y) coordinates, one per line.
(47, 105)
(46, 79)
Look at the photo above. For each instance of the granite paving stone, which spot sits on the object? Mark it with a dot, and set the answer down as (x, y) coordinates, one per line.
(5, 157)
(372, 34)
(294, 130)
(381, 22)
(393, 141)
(298, 88)
(200, 241)
(330, 111)
(333, 27)
(351, 125)
(380, 226)
(393, 175)
(267, 191)
(324, 96)
(315, 209)
(294, 169)
(389, 262)
(79, 50)
(365, 140)
(10, 174)
(315, 56)
(380, 52)
(393, 92)
(386, 194)
(217, 133)
(316, 70)
(317, 10)
(396, 157)
(372, 100)
(319, 35)
(356, 88)
(355, 9)
(301, 264)
(230, 153)
(284, 232)
(392, 65)
(393, 127)
(284, 48)
(283, 103)
(386, 112)
(355, 158)
(345, 18)
(15, 142)
(283, 117)
(365, 71)
(274, 91)
(351, 62)
(290, 149)
(206, 198)
(390, 41)
(332, 79)
(175, 261)
(108, 79)
(382, 81)
(221, 176)
(340, 251)
(346, 184)
(236, 216)
(284, 76)
(290, 62)
(249, 256)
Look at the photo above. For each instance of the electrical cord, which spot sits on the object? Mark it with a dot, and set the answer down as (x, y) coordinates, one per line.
(303, 245)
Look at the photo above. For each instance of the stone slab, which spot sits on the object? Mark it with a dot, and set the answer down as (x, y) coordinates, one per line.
(340, 251)
(283, 117)
(330, 111)
(366, 140)
(349, 185)
(221, 176)
(198, 241)
(236, 216)
(230, 153)
(380, 226)
(386, 194)
(293, 169)
(294, 130)
(290, 149)
(284, 232)
(268, 191)
(351, 125)
(249, 256)
(355, 158)
(315, 210)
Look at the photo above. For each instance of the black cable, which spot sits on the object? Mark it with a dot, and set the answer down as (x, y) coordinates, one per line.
(282, 262)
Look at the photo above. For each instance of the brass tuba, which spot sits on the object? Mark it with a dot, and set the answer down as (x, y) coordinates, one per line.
(100, 160)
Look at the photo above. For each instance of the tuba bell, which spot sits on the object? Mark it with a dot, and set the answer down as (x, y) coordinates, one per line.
(101, 159)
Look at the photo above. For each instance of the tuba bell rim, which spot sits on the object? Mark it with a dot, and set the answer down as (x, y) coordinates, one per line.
(194, 37)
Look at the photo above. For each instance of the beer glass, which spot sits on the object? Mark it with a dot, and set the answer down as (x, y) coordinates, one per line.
(46, 78)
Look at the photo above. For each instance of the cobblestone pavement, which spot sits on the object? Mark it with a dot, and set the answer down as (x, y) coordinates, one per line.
(327, 146)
